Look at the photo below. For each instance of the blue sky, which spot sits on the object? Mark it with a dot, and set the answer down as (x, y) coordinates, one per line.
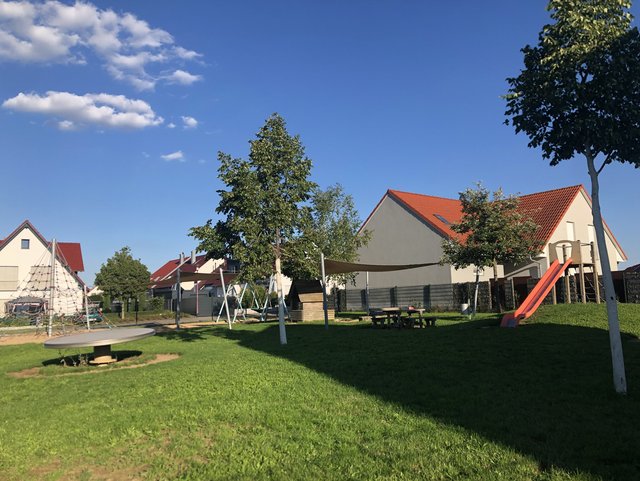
(113, 112)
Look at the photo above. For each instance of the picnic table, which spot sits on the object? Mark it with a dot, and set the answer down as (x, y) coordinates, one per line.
(392, 317)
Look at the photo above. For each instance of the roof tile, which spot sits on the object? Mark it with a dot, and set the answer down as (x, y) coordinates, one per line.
(545, 208)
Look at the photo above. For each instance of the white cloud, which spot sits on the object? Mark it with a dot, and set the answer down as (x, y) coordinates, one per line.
(179, 156)
(189, 122)
(114, 111)
(183, 78)
(130, 49)
(66, 125)
(171, 125)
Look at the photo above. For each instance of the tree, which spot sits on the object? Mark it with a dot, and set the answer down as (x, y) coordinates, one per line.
(123, 277)
(334, 230)
(579, 94)
(491, 231)
(266, 205)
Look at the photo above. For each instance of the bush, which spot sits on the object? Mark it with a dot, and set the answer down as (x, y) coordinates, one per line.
(155, 304)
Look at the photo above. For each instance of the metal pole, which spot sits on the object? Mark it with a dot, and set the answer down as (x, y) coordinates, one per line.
(583, 289)
(366, 293)
(567, 284)
(263, 314)
(52, 287)
(324, 292)
(224, 292)
(86, 308)
(240, 308)
(281, 327)
(178, 299)
(596, 282)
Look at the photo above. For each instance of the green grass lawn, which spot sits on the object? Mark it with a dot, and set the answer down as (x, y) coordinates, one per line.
(461, 401)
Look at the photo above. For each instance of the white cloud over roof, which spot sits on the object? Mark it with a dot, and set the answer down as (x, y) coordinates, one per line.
(54, 32)
(106, 110)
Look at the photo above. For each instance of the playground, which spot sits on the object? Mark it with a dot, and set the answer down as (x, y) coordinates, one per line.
(463, 400)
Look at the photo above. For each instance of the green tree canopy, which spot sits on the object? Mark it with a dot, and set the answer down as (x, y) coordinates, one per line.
(492, 230)
(334, 230)
(579, 94)
(123, 277)
(265, 207)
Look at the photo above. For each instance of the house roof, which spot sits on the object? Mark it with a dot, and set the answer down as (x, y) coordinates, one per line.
(70, 253)
(545, 208)
(213, 279)
(170, 266)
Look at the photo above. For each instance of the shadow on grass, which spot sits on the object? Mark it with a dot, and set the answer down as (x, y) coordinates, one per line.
(186, 335)
(83, 358)
(544, 390)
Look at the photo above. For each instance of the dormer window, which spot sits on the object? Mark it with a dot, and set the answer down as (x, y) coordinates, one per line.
(24, 243)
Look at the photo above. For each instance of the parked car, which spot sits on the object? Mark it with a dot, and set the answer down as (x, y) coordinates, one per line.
(95, 315)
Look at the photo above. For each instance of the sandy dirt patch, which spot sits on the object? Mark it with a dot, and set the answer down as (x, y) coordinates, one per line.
(35, 371)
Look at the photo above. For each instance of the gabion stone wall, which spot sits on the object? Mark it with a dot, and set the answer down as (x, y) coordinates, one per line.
(632, 286)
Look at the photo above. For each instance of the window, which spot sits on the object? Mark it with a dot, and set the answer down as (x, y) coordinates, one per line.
(442, 219)
(591, 231)
(8, 278)
(571, 231)
(24, 243)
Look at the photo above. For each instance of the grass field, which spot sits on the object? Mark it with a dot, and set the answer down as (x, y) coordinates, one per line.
(461, 401)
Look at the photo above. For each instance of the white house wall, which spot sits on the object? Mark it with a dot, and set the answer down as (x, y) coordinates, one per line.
(399, 237)
(468, 274)
(579, 214)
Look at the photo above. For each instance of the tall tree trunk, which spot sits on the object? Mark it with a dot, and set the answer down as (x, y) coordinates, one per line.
(617, 358)
(283, 332)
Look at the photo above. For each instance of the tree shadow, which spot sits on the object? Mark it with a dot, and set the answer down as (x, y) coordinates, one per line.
(187, 335)
(544, 389)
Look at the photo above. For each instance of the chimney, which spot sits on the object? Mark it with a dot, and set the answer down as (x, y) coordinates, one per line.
(193, 256)
(181, 258)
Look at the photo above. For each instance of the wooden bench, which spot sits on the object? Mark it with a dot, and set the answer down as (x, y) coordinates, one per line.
(378, 318)
(430, 320)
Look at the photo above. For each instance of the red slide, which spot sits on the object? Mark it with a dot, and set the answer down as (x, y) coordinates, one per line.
(537, 295)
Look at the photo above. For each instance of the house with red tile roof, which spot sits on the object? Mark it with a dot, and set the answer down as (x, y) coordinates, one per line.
(162, 279)
(408, 228)
(25, 261)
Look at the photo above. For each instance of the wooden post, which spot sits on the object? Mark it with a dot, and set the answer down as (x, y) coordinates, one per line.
(324, 293)
(583, 289)
(567, 283)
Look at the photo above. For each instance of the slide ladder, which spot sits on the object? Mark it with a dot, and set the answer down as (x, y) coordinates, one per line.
(537, 295)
